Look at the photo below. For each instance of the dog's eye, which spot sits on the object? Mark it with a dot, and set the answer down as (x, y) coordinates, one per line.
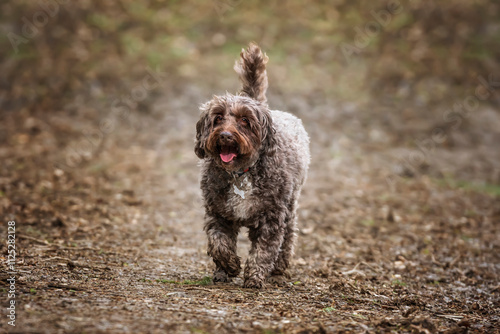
(218, 118)
(244, 121)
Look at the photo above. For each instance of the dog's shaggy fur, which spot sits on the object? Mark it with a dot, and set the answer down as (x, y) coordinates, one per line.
(255, 162)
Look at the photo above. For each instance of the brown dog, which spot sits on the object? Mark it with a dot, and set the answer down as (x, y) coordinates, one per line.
(255, 162)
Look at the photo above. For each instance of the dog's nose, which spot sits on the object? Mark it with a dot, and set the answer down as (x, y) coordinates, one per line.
(226, 136)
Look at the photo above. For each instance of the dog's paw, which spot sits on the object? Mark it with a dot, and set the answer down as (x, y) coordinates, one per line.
(253, 283)
(277, 280)
(221, 277)
(233, 268)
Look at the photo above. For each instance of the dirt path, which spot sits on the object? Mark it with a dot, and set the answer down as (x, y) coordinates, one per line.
(115, 244)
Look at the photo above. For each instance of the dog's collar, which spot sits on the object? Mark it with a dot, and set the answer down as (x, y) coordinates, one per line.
(240, 172)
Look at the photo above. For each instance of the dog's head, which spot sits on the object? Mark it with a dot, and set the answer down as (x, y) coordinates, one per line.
(235, 130)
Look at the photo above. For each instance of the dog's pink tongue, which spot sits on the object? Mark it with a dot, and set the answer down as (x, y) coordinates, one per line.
(227, 157)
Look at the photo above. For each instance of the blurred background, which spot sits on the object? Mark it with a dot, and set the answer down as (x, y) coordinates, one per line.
(398, 50)
(397, 68)
(99, 100)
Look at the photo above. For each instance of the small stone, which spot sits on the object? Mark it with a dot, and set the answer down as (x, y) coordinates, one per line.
(399, 265)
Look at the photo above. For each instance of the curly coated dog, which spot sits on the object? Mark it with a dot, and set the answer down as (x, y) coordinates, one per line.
(255, 162)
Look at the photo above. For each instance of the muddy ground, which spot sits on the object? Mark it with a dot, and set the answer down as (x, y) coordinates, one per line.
(108, 221)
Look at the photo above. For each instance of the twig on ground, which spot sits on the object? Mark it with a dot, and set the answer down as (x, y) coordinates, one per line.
(198, 288)
(56, 258)
(43, 242)
(54, 246)
(455, 317)
(354, 271)
(62, 286)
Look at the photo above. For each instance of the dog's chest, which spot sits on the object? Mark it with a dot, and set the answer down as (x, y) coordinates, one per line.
(240, 197)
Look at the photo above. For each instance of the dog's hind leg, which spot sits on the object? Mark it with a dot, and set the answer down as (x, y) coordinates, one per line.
(279, 273)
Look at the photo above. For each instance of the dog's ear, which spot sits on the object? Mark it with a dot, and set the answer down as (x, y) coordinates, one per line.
(269, 144)
(251, 68)
(202, 130)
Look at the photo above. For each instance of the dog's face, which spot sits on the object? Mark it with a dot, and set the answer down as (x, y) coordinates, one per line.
(232, 130)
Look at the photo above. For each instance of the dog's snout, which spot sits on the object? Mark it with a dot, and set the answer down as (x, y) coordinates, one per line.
(226, 136)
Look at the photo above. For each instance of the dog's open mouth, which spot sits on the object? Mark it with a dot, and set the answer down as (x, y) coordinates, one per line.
(228, 153)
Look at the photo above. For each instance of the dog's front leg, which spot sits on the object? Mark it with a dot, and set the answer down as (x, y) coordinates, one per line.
(266, 240)
(222, 235)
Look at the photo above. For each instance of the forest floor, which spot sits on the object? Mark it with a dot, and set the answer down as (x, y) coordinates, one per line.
(393, 237)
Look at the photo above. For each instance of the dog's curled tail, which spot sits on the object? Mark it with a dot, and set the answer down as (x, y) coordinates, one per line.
(251, 68)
